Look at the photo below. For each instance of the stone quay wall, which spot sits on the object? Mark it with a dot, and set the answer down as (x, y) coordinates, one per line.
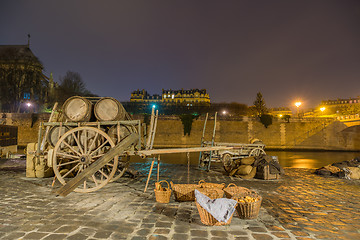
(298, 134)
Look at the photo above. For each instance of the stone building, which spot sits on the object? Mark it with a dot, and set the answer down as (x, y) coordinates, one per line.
(341, 106)
(190, 97)
(22, 79)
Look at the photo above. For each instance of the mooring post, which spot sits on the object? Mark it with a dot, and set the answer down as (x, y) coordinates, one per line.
(188, 172)
(151, 167)
(158, 168)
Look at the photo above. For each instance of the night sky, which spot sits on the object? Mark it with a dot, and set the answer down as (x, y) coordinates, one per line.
(288, 50)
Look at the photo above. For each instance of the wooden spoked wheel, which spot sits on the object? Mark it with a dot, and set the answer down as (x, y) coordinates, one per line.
(76, 150)
(257, 152)
(123, 164)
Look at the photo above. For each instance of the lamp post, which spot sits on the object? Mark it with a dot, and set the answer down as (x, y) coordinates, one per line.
(29, 105)
(322, 109)
(298, 104)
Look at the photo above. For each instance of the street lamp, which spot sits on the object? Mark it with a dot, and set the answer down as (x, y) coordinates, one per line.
(298, 104)
(322, 109)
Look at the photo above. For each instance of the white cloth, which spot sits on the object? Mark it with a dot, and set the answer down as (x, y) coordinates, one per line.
(221, 209)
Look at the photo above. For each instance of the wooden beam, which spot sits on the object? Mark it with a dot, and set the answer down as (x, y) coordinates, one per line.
(97, 165)
(180, 150)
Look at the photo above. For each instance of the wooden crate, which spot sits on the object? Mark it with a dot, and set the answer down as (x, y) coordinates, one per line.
(263, 172)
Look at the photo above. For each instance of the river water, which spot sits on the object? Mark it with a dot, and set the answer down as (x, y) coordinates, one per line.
(292, 159)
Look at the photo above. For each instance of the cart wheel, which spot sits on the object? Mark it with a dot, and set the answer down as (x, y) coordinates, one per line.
(228, 163)
(205, 157)
(123, 164)
(76, 150)
(257, 152)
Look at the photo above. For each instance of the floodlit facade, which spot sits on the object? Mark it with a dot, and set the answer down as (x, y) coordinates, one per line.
(184, 97)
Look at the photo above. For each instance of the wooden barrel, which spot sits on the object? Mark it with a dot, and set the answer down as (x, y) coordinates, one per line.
(55, 134)
(109, 109)
(124, 131)
(77, 109)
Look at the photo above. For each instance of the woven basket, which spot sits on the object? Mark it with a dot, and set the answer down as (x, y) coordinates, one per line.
(232, 189)
(184, 192)
(204, 184)
(207, 219)
(162, 194)
(212, 193)
(248, 210)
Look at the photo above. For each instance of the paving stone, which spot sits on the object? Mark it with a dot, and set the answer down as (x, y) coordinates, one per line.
(163, 224)
(125, 230)
(241, 238)
(257, 229)
(162, 231)
(49, 228)
(300, 205)
(66, 229)
(300, 233)
(138, 238)
(102, 234)
(198, 233)
(218, 233)
(281, 234)
(143, 232)
(157, 237)
(178, 236)
(55, 236)
(77, 236)
(13, 235)
(238, 232)
(259, 236)
(35, 235)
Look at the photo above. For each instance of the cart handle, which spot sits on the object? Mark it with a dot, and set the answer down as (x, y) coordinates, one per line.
(158, 185)
(232, 184)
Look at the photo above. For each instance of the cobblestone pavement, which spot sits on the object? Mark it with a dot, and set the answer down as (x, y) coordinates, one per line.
(300, 206)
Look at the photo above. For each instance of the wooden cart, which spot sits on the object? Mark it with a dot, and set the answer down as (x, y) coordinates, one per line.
(85, 156)
(227, 156)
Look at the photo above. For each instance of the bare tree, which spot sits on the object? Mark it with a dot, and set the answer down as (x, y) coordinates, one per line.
(71, 85)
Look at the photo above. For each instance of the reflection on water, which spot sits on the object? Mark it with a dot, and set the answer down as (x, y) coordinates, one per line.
(287, 159)
(311, 159)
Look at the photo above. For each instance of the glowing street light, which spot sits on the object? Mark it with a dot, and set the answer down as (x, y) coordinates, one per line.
(298, 104)
(28, 104)
(322, 109)
(224, 112)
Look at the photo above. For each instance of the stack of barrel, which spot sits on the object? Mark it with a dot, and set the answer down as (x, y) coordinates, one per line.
(82, 109)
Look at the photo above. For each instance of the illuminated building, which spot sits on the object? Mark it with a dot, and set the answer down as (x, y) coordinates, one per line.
(182, 97)
(22, 78)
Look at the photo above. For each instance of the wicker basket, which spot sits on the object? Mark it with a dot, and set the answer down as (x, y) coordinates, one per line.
(212, 193)
(184, 192)
(162, 194)
(245, 209)
(204, 184)
(207, 219)
(232, 189)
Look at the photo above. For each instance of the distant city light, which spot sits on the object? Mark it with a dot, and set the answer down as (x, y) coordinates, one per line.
(298, 104)
(322, 109)
(224, 112)
(154, 106)
(28, 104)
(280, 115)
